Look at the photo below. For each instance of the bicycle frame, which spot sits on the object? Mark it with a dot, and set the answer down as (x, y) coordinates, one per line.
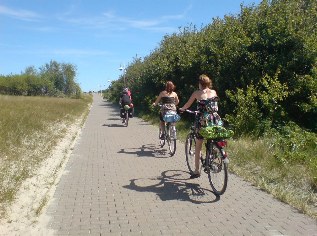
(126, 117)
(214, 163)
(169, 137)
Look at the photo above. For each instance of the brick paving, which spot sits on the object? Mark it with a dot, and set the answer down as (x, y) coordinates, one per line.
(118, 181)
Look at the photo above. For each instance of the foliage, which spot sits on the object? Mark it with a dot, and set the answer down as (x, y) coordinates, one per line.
(258, 107)
(266, 55)
(295, 146)
(245, 119)
(54, 79)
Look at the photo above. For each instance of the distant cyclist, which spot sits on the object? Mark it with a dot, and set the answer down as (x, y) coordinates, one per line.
(126, 99)
(204, 96)
(169, 99)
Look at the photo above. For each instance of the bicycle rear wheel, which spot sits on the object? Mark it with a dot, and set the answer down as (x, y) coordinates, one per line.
(126, 118)
(190, 145)
(217, 169)
(171, 141)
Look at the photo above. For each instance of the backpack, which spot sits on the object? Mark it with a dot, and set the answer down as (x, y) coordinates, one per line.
(125, 99)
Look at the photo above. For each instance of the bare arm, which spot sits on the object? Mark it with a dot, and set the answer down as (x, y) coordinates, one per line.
(176, 99)
(157, 99)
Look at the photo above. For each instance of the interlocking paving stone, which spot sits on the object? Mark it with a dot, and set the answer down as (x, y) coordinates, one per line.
(118, 181)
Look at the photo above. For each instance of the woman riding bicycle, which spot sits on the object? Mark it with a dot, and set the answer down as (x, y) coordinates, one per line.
(204, 97)
(169, 100)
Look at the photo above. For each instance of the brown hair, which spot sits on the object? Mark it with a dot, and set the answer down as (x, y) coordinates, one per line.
(204, 81)
(169, 86)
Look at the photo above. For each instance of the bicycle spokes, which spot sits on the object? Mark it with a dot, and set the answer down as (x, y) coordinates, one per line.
(216, 165)
(171, 142)
(218, 170)
(190, 145)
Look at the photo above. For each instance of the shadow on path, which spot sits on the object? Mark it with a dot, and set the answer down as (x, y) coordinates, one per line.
(173, 185)
(114, 125)
(117, 118)
(147, 150)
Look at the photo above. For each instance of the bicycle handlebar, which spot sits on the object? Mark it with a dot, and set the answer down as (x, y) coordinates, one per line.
(192, 112)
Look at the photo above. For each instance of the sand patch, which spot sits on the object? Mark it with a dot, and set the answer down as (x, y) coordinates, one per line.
(25, 215)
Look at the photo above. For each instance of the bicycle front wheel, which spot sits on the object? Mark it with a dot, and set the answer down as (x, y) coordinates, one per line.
(190, 145)
(217, 169)
(171, 141)
(162, 139)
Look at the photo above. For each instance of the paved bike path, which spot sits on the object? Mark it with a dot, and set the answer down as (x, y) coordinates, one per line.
(118, 181)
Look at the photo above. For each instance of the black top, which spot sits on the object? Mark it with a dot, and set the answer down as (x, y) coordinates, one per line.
(168, 100)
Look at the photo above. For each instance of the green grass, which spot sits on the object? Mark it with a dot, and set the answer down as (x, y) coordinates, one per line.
(259, 162)
(273, 164)
(29, 128)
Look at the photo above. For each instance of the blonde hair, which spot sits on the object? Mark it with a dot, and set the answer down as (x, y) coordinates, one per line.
(169, 86)
(204, 81)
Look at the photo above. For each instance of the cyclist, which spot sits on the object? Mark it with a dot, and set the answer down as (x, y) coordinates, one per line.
(131, 104)
(169, 100)
(204, 97)
(128, 92)
(125, 99)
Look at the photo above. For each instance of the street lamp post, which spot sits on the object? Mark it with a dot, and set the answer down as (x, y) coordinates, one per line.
(122, 68)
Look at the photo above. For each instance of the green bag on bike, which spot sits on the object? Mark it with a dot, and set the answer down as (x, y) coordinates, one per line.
(215, 132)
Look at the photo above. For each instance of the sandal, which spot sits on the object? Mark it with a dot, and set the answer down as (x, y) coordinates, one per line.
(194, 176)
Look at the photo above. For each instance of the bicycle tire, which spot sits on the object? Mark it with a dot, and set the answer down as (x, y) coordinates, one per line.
(126, 118)
(171, 142)
(171, 146)
(190, 145)
(162, 141)
(217, 169)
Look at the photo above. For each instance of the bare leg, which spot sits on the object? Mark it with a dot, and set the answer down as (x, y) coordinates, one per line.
(198, 147)
(162, 126)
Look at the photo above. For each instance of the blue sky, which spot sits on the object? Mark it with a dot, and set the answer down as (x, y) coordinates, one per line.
(97, 36)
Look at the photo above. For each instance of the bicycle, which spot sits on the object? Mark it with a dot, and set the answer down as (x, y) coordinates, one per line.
(125, 117)
(169, 134)
(215, 163)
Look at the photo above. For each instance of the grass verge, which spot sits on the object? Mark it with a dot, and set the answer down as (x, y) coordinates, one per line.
(30, 128)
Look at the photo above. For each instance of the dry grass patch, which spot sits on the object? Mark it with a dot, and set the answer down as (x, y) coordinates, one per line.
(30, 128)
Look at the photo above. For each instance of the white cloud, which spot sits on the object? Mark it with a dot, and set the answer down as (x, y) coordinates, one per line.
(110, 20)
(19, 14)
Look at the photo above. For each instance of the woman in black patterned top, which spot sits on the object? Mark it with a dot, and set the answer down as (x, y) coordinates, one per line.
(202, 95)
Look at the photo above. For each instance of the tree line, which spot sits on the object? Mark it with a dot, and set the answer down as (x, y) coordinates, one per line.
(262, 61)
(52, 79)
